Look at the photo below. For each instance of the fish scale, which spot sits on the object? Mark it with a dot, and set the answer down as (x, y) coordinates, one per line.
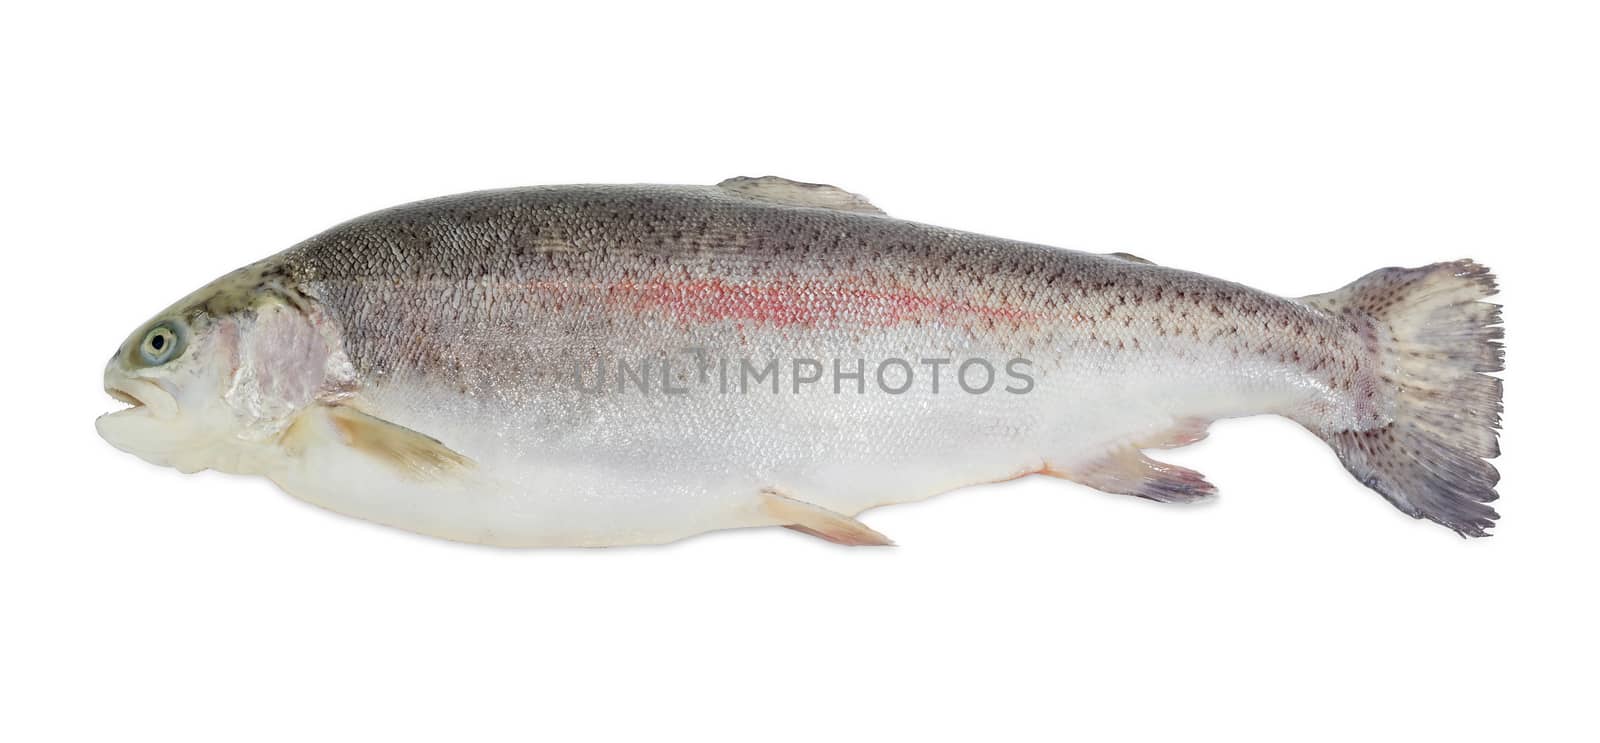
(550, 366)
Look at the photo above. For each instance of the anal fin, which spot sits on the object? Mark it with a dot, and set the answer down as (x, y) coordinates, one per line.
(416, 455)
(1130, 472)
(820, 522)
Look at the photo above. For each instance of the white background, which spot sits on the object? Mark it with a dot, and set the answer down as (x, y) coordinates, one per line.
(150, 147)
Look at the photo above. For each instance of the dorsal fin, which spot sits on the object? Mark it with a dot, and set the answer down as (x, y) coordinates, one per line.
(775, 190)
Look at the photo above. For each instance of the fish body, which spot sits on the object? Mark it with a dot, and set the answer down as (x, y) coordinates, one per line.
(605, 365)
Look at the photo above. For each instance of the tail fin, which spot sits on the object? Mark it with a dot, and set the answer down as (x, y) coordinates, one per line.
(1436, 340)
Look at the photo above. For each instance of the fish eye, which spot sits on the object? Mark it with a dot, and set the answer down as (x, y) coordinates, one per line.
(160, 345)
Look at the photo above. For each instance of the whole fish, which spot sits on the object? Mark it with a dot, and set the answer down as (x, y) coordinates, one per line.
(608, 365)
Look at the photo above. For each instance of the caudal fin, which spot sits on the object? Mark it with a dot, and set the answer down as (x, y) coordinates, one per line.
(1436, 340)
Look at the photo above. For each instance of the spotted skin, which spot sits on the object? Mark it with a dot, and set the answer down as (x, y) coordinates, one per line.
(470, 320)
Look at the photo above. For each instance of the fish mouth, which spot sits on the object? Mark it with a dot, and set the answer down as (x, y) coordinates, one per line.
(120, 396)
(141, 397)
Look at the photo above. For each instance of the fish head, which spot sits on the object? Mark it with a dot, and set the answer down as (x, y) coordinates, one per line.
(214, 380)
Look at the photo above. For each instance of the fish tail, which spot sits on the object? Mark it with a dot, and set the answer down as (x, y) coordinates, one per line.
(1437, 410)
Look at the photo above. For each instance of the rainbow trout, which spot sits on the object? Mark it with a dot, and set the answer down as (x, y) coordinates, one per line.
(609, 365)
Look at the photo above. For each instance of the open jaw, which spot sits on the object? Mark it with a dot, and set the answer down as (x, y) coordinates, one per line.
(120, 396)
(142, 397)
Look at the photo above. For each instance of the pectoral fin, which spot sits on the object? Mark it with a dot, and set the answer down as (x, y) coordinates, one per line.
(417, 456)
(820, 522)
